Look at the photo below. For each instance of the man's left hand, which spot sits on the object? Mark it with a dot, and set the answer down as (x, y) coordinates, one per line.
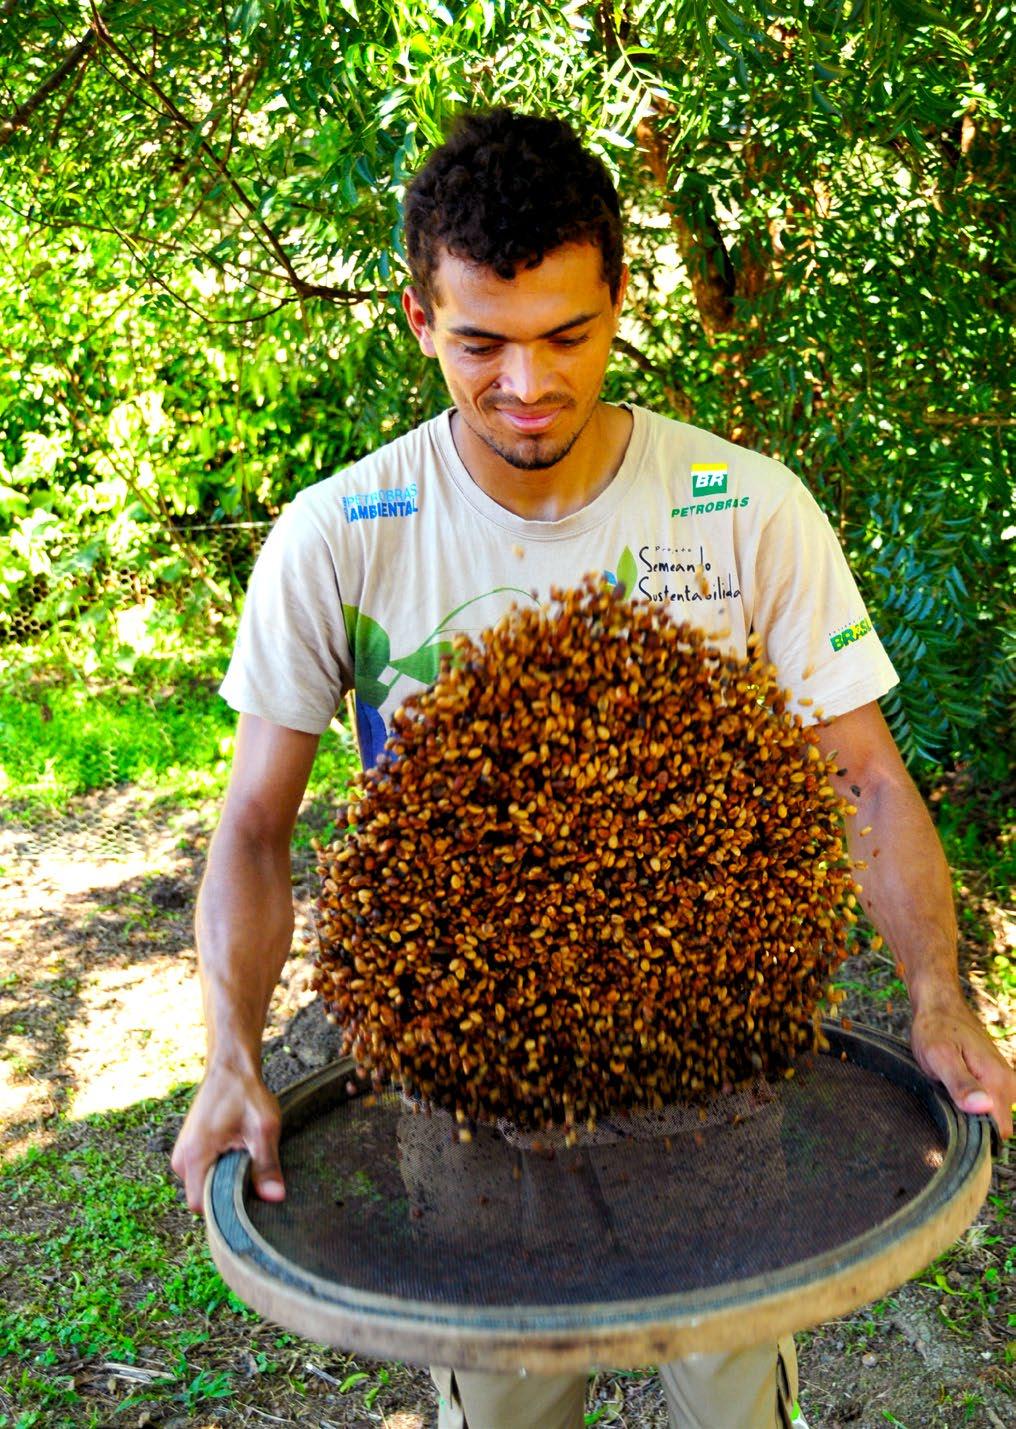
(952, 1046)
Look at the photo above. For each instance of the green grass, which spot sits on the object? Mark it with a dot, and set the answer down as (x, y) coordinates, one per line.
(981, 840)
(82, 1286)
(102, 1265)
(107, 1275)
(980, 844)
(59, 740)
(988, 1257)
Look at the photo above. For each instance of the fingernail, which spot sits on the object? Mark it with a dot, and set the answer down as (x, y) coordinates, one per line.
(271, 1188)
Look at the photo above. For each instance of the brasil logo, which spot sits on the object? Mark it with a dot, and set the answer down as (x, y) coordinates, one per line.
(708, 478)
(857, 631)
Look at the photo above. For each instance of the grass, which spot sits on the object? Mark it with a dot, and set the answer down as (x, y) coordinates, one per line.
(104, 1268)
(974, 1275)
(114, 1207)
(126, 1278)
(976, 821)
(977, 827)
(115, 1277)
(167, 730)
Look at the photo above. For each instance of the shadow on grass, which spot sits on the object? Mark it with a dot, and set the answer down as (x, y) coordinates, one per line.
(114, 1313)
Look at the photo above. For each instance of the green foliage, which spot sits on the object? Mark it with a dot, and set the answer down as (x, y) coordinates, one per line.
(818, 243)
(173, 734)
(66, 739)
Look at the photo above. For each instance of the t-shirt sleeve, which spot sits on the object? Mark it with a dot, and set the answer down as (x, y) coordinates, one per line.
(291, 663)
(810, 614)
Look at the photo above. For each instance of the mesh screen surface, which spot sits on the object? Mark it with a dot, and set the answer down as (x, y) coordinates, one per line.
(382, 1199)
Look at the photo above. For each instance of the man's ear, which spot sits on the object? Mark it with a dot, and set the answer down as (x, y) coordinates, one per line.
(418, 321)
(622, 288)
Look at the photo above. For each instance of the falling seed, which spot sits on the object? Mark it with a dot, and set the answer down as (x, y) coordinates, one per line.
(525, 899)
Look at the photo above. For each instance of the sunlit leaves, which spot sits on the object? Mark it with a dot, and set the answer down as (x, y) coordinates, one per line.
(208, 210)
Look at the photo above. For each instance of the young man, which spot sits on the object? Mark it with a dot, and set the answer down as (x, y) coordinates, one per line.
(514, 241)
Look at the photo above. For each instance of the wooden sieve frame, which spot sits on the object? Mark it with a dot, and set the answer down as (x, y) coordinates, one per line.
(550, 1339)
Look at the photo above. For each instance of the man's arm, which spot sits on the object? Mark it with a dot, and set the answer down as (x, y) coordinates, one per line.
(907, 893)
(244, 932)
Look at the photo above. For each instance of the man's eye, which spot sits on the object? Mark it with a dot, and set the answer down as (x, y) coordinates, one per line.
(479, 351)
(571, 341)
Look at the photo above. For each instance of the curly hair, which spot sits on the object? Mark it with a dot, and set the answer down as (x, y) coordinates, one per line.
(503, 191)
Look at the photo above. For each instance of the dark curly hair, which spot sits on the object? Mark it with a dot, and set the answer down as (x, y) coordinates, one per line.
(503, 191)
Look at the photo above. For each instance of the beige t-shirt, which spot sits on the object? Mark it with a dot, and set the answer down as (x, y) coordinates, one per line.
(367, 575)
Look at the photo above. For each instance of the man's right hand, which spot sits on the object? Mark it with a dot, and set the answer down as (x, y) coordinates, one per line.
(244, 929)
(231, 1111)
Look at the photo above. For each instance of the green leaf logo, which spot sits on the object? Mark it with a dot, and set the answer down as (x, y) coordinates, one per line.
(424, 664)
(371, 651)
(627, 571)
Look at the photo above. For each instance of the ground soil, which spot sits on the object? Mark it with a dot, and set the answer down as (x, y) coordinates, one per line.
(99, 1007)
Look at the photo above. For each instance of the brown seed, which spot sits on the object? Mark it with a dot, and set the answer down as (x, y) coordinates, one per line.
(584, 816)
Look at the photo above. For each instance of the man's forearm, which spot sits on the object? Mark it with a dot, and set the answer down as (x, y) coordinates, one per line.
(907, 893)
(244, 933)
(906, 886)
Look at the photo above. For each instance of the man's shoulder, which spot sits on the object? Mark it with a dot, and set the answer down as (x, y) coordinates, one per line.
(698, 447)
(386, 476)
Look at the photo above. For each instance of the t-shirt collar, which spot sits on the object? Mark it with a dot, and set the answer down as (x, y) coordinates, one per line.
(576, 522)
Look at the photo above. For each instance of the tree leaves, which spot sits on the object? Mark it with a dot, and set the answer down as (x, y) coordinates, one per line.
(208, 206)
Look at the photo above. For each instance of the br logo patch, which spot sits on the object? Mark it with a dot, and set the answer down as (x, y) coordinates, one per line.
(708, 478)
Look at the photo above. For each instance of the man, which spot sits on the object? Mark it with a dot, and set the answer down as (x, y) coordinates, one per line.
(514, 242)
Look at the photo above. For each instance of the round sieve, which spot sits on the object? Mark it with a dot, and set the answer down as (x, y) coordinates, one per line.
(658, 1236)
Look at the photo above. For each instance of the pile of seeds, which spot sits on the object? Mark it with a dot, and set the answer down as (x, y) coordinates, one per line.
(600, 868)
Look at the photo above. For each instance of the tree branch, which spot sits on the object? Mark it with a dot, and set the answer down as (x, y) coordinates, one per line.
(46, 223)
(679, 401)
(23, 114)
(304, 288)
(702, 248)
(970, 419)
(705, 256)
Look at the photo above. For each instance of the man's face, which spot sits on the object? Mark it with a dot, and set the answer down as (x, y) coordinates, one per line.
(523, 358)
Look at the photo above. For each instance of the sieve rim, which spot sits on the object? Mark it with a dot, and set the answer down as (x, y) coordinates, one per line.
(555, 1337)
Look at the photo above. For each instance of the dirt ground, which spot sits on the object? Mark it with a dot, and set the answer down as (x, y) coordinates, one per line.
(99, 1008)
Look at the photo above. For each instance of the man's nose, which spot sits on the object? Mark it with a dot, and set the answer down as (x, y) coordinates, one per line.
(524, 374)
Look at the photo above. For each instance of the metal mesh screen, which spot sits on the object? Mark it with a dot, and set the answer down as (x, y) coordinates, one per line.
(117, 580)
(381, 1198)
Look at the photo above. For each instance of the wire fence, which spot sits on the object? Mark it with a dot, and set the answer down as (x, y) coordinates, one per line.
(75, 585)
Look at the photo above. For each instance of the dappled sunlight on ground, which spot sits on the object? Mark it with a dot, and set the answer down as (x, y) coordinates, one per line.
(99, 1002)
(137, 1033)
(107, 827)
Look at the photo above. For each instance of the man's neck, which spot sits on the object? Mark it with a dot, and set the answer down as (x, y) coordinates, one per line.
(557, 491)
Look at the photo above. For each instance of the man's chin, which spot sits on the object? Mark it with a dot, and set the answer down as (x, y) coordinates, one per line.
(533, 454)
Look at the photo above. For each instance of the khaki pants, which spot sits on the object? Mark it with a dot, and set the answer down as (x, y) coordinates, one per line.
(751, 1389)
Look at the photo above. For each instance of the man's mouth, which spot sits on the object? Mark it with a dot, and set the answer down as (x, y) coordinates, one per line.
(529, 422)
